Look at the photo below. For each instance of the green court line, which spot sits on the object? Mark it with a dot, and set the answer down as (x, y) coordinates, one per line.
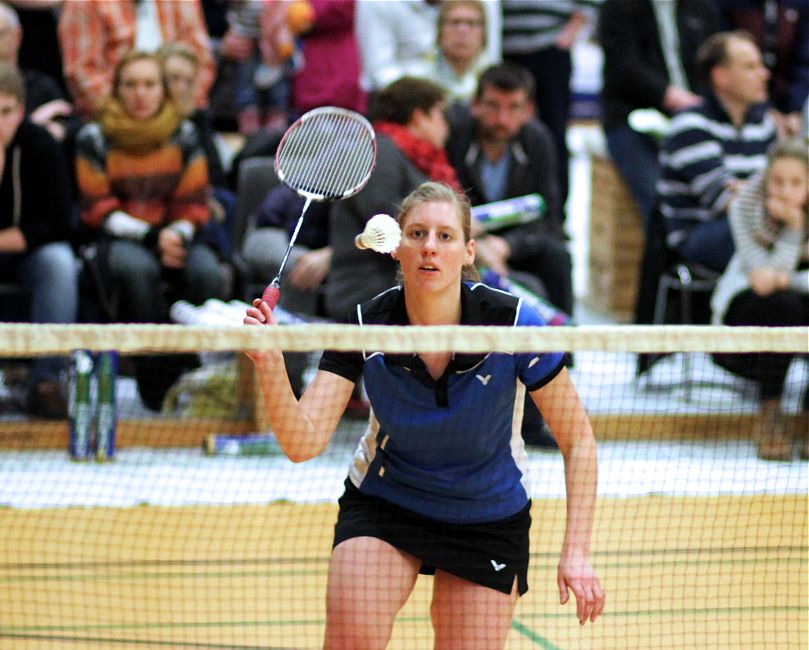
(529, 634)
(144, 642)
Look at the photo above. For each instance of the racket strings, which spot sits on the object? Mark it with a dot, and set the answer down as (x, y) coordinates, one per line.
(327, 156)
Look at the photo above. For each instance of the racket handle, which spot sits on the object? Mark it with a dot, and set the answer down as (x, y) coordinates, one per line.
(271, 295)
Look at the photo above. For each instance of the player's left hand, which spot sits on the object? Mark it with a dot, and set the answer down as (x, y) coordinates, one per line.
(576, 574)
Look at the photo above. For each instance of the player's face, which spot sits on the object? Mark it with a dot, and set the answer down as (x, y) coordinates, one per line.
(140, 89)
(743, 77)
(11, 114)
(501, 114)
(788, 181)
(433, 251)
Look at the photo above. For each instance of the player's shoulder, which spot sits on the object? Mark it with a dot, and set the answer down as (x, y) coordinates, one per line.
(485, 305)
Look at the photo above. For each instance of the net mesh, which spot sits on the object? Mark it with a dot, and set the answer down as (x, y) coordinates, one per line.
(201, 534)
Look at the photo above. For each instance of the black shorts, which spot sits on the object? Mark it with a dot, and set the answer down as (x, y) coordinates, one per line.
(489, 554)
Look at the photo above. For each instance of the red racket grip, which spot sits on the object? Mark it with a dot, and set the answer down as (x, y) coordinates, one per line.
(271, 295)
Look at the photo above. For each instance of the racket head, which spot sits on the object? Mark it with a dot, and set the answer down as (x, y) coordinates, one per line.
(327, 154)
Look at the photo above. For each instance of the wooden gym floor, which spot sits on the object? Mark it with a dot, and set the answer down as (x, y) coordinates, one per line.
(696, 572)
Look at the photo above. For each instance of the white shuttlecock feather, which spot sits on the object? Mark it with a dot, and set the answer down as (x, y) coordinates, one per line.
(382, 234)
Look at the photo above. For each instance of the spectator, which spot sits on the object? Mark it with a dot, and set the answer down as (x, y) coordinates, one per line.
(330, 73)
(500, 151)
(711, 148)
(461, 54)
(45, 103)
(649, 63)
(96, 34)
(411, 129)
(397, 37)
(781, 31)
(260, 38)
(34, 231)
(539, 37)
(181, 68)
(143, 183)
(766, 282)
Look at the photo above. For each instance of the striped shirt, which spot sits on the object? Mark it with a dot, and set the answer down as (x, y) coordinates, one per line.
(759, 243)
(529, 25)
(702, 154)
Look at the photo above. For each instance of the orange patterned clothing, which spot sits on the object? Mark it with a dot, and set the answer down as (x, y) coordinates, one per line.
(95, 34)
(159, 186)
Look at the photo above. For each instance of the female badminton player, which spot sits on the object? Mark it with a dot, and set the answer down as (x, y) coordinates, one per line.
(436, 484)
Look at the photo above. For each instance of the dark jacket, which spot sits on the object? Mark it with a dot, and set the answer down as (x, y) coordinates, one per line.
(35, 187)
(534, 169)
(635, 73)
(359, 275)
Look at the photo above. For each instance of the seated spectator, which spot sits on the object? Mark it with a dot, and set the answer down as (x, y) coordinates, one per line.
(500, 151)
(34, 230)
(649, 63)
(712, 148)
(408, 117)
(181, 68)
(781, 31)
(143, 183)
(461, 54)
(310, 258)
(766, 282)
(96, 34)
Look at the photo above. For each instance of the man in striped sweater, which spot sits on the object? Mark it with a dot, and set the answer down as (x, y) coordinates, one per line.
(712, 148)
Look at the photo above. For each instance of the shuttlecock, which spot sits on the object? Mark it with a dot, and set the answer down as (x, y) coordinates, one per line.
(381, 234)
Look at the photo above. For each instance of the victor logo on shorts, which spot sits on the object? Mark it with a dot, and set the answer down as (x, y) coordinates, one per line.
(498, 567)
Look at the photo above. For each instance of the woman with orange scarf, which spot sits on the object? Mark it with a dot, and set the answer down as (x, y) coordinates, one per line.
(143, 185)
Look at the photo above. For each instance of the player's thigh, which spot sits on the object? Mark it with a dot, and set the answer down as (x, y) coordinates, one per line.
(369, 581)
(469, 616)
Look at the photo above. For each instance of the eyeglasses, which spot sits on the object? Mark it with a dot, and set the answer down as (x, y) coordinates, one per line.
(471, 23)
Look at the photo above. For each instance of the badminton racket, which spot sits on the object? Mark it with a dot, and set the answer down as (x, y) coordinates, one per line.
(327, 154)
(381, 234)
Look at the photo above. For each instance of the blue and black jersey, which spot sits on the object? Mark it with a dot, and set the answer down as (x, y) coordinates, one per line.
(450, 448)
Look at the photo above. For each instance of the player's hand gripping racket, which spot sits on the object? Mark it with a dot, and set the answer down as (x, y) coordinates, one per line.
(328, 153)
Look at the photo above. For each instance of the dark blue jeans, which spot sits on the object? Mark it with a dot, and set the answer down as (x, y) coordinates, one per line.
(709, 243)
(635, 156)
(50, 274)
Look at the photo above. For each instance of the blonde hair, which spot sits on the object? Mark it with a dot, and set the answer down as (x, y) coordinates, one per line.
(796, 147)
(449, 5)
(435, 192)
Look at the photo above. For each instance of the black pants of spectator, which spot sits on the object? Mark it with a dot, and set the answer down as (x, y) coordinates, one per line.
(780, 309)
(551, 69)
(549, 261)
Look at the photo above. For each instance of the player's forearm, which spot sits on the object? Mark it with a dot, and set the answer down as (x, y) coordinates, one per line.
(294, 431)
(581, 477)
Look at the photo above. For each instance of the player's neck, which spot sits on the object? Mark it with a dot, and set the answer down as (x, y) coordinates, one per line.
(434, 309)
